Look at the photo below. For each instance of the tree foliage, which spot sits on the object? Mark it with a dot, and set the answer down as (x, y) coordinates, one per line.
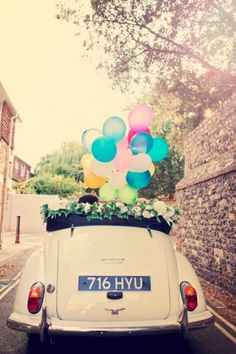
(52, 185)
(64, 162)
(168, 173)
(159, 36)
(59, 173)
(187, 44)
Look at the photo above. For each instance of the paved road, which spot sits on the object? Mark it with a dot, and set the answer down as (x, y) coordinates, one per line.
(208, 341)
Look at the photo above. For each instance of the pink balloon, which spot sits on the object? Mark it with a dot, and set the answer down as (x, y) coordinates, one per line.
(140, 118)
(132, 133)
(123, 159)
(123, 144)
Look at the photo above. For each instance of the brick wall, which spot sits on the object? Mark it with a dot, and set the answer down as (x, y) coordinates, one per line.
(207, 196)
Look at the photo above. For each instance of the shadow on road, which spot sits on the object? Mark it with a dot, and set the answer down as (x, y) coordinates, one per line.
(126, 345)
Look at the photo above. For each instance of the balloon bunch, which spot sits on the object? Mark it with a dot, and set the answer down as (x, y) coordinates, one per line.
(120, 165)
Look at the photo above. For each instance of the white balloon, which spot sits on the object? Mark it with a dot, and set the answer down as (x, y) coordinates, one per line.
(89, 136)
(140, 162)
(117, 179)
(101, 168)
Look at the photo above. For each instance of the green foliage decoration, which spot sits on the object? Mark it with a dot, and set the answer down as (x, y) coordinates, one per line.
(141, 209)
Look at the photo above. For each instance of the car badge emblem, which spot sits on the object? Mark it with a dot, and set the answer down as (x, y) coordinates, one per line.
(115, 311)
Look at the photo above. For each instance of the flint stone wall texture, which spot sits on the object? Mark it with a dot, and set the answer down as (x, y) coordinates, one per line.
(207, 196)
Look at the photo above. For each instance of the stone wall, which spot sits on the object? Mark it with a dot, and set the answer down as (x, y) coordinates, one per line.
(207, 196)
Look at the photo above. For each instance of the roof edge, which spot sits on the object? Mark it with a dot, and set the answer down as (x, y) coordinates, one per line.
(8, 100)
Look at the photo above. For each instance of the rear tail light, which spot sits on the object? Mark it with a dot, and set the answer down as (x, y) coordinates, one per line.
(35, 298)
(189, 296)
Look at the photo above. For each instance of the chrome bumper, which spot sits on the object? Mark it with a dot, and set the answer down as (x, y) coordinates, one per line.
(114, 331)
(58, 328)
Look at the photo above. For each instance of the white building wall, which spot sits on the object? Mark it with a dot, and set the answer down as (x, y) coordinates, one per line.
(28, 207)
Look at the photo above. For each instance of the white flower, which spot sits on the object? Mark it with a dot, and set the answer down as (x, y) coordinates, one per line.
(148, 207)
(123, 210)
(87, 207)
(146, 214)
(137, 211)
(160, 207)
(119, 205)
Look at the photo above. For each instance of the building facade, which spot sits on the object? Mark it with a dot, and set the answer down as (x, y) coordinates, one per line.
(21, 170)
(8, 118)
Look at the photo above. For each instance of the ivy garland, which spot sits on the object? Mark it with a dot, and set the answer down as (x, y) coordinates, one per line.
(141, 209)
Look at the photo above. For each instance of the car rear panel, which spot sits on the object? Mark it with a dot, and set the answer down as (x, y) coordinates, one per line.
(117, 255)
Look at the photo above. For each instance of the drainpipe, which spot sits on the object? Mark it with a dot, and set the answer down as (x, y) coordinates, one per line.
(5, 181)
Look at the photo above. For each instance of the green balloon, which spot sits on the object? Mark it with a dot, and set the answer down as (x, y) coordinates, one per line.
(127, 194)
(107, 192)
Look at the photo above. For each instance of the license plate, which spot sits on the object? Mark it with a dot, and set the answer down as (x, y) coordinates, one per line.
(113, 283)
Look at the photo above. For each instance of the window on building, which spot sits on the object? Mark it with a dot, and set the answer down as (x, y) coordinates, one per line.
(22, 171)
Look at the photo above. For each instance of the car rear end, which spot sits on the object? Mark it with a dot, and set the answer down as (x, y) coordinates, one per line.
(110, 280)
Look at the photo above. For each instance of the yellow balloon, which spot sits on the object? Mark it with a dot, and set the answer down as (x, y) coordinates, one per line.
(93, 181)
(152, 169)
(86, 161)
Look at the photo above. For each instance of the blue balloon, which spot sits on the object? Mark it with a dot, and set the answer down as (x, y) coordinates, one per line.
(141, 142)
(115, 128)
(138, 180)
(104, 149)
(159, 150)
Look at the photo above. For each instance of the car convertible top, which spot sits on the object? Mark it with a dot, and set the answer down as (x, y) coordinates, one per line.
(57, 222)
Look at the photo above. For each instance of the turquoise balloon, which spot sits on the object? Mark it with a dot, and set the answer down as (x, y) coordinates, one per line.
(104, 149)
(115, 128)
(159, 150)
(141, 142)
(138, 179)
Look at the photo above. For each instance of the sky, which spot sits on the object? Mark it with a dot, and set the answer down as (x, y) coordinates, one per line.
(56, 92)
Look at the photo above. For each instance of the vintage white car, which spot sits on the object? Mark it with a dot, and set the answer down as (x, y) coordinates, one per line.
(108, 278)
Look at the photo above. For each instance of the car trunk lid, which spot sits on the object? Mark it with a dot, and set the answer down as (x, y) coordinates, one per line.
(100, 260)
